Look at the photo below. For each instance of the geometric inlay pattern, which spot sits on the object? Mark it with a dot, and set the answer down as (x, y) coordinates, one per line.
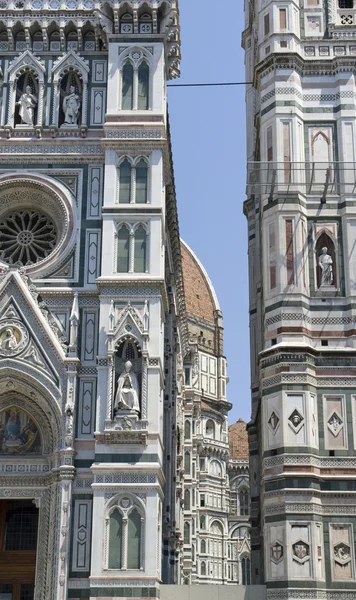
(273, 422)
(296, 420)
(335, 424)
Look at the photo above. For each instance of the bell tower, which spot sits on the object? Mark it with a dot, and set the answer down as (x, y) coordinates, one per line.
(301, 227)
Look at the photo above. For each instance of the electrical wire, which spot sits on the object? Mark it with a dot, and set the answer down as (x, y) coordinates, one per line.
(209, 84)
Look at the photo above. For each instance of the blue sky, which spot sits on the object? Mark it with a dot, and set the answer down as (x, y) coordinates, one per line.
(208, 136)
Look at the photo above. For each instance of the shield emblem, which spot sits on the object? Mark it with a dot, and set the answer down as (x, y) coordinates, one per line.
(277, 552)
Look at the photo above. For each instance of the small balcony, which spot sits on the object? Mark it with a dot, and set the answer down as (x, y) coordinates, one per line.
(321, 179)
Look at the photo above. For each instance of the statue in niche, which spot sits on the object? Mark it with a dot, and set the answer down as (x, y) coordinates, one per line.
(71, 106)
(127, 395)
(326, 265)
(27, 104)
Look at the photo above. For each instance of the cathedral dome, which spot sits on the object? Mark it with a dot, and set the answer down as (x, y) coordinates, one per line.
(200, 297)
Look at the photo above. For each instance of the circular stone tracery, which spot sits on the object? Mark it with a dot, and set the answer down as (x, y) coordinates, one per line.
(26, 237)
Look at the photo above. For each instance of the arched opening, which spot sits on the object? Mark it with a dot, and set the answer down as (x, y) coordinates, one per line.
(70, 101)
(115, 540)
(210, 429)
(187, 463)
(187, 500)
(54, 38)
(20, 38)
(202, 522)
(244, 499)
(203, 568)
(26, 103)
(186, 533)
(88, 40)
(19, 433)
(326, 267)
(125, 182)
(127, 86)
(123, 249)
(126, 23)
(143, 86)
(140, 250)
(187, 430)
(134, 540)
(203, 547)
(145, 23)
(141, 182)
(72, 40)
(246, 571)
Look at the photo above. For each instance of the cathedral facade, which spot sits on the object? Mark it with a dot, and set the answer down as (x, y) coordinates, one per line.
(301, 117)
(116, 472)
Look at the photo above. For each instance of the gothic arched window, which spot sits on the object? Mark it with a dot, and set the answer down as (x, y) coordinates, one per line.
(123, 250)
(186, 533)
(187, 430)
(203, 568)
(135, 86)
(115, 540)
(127, 86)
(134, 540)
(140, 250)
(203, 547)
(127, 173)
(244, 499)
(187, 500)
(187, 463)
(246, 571)
(55, 41)
(210, 429)
(143, 74)
(125, 182)
(202, 522)
(141, 182)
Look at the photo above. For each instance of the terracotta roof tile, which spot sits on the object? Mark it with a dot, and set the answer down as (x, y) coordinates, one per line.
(238, 440)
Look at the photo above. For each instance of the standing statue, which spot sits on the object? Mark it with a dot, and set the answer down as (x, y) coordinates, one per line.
(325, 263)
(127, 395)
(71, 106)
(27, 105)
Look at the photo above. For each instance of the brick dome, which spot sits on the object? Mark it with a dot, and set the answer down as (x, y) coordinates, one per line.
(200, 297)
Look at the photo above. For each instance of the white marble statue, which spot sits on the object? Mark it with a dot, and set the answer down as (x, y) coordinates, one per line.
(127, 395)
(27, 103)
(325, 263)
(9, 341)
(71, 106)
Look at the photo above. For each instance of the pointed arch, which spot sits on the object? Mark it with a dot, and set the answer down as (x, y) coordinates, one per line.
(140, 249)
(125, 180)
(125, 531)
(326, 260)
(143, 73)
(72, 68)
(123, 249)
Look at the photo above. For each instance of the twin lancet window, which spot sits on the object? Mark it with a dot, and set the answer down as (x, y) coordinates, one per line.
(135, 86)
(132, 249)
(125, 539)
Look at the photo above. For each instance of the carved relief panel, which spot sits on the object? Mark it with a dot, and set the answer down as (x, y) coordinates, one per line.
(342, 552)
(277, 558)
(335, 431)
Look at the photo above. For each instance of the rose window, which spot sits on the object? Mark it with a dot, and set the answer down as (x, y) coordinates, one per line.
(26, 237)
